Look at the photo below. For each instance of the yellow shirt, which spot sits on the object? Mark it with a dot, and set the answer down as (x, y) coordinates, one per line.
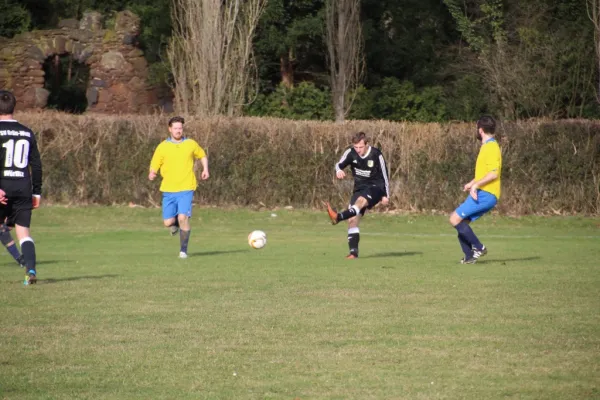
(176, 164)
(488, 160)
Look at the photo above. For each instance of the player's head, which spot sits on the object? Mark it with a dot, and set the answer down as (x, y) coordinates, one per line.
(360, 142)
(7, 102)
(176, 127)
(487, 124)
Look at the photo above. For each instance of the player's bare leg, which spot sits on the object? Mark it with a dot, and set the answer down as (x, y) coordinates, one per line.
(184, 234)
(172, 224)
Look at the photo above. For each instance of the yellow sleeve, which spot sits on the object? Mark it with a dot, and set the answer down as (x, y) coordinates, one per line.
(199, 152)
(157, 158)
(493, 158)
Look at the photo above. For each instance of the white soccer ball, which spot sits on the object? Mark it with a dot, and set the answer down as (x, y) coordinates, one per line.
(257, 239)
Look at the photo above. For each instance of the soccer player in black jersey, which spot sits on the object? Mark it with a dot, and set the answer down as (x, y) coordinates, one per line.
(20, 179)
(371, 186)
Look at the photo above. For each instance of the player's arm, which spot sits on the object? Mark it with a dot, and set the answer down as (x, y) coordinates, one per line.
(343, 162)
(35, 167)
(384, 172)
(200, 154)
(156, 162)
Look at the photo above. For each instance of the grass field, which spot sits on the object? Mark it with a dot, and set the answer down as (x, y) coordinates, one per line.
(116, 315)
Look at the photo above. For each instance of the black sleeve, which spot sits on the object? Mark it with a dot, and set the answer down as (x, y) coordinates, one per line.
(344, 161)
(384, 172)
(35, 163)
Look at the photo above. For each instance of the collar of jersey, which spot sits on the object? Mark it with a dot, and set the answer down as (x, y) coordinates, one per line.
(490, 140)
(8, 120)
(183, 139)
(366, 154)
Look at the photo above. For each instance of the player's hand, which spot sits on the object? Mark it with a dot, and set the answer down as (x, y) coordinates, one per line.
(152, 175)
(3, 199)
(36, 200)
(467, 187)
(473, 192)
(385, 201)
(205, 175)
(340, 174)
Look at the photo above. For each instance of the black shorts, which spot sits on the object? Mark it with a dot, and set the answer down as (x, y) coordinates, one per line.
(17, 211)
(373, 194)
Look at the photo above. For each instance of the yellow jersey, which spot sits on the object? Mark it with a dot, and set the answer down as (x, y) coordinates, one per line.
(488, 160)
(175, 161)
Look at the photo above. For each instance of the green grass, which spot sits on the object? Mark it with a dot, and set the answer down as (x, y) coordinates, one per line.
(116, 315)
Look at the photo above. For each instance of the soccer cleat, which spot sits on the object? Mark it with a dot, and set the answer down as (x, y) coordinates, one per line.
(333, 215)
(182, 254)
(471, 260)
(174, 230)
(479, 253)
(351, 256)
(21, 261)
(30, 278)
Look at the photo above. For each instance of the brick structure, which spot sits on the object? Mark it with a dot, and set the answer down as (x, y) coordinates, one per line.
(118, 69)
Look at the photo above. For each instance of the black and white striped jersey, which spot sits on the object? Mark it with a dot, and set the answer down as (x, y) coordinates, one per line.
(367, 171)
(20, 161)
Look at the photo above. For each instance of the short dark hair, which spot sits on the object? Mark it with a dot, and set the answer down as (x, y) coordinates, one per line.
(487, 123)
(358, 136)
(176, 119)
(8, 102)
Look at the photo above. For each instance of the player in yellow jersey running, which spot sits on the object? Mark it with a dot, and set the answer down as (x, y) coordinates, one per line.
(175, 158)
(484, 191)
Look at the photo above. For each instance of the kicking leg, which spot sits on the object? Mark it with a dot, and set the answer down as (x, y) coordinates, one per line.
(351, 212)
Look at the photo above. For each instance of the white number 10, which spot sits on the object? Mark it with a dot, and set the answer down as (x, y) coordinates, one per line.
(17, 154)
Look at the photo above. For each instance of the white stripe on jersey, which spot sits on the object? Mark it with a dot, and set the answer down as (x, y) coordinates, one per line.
(362, 172)
(385, 177)
(342, 159)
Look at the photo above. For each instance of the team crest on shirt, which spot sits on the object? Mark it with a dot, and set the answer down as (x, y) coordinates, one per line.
(370, 163)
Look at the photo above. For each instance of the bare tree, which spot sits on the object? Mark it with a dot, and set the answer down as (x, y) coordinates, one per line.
(593, 10)
(211, 54)
(345, 52)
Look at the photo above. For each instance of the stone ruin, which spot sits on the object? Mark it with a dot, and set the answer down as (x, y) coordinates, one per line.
(118, 69)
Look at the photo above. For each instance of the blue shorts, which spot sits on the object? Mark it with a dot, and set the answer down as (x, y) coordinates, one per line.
(175, 203)
(473, 209)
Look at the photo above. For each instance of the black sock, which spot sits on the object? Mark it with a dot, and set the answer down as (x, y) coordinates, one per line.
(9, 243)
(465, 246)
(352, 211)
(28, 249)
(468, 235)
(184, 238)
(176, 223)
(353, 239)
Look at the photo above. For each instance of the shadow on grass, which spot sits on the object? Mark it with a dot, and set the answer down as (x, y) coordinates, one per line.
(75, 278)
(46, 262)
(215, 253)
(394, 254)
(505, 260)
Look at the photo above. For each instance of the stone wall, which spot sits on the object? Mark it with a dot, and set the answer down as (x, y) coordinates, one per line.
(118, 69)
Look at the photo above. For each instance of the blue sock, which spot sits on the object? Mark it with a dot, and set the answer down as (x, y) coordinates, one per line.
(465, 246)
(184, 238)
(9, 243)
(468, 235)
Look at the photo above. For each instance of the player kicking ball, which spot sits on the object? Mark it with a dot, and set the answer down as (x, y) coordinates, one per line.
(371, 186)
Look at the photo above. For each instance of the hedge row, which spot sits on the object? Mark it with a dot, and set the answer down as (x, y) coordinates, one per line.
(549, 166)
